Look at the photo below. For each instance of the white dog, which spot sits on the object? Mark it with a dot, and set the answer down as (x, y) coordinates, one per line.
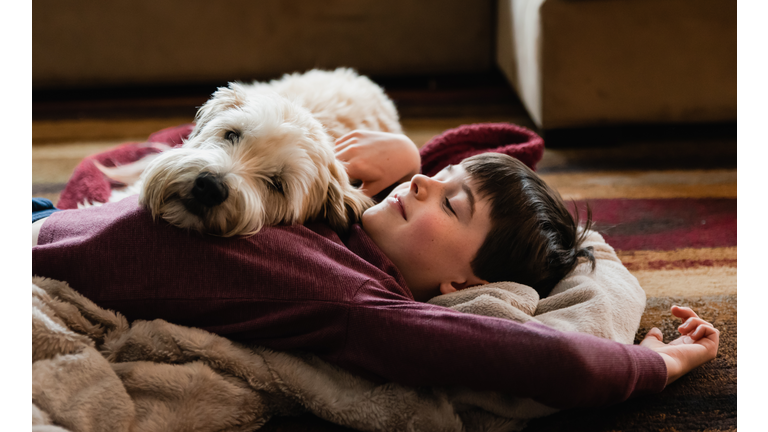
(262, 154)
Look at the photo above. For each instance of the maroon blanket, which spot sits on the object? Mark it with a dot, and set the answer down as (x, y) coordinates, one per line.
(450, 147)
(455, 145)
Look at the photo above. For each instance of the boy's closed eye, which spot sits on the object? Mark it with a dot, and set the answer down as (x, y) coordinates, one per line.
(450, 207)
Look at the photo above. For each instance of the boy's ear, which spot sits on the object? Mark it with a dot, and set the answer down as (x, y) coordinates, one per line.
(449, 287)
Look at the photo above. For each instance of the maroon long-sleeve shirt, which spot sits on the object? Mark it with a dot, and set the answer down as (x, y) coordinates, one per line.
(304, 288)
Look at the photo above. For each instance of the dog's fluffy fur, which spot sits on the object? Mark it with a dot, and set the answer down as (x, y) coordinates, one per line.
(267, 148)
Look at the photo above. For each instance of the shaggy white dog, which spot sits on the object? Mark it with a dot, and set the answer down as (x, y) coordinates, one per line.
(262, 154)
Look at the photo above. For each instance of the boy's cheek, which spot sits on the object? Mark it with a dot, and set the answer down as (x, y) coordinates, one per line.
(428, 232)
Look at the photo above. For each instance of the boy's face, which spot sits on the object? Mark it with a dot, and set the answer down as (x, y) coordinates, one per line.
(431, 229)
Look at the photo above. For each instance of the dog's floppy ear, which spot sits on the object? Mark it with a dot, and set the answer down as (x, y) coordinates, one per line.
(345, 204)
(223, 98)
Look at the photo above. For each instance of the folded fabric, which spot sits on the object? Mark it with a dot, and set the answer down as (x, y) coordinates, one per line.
(157, 376)
(88, 184)
(607, 302)
(455, 145)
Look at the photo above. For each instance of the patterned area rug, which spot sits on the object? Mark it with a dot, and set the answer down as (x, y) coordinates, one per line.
(705, 399)
(683, 251)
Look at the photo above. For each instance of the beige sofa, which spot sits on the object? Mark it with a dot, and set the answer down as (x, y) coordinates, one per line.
(91, 43)
(573, 62)
(592, 62)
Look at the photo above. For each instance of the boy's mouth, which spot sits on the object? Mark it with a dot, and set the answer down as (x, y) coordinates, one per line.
(397, 202)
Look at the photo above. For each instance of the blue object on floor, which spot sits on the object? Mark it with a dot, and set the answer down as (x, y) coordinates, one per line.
(42, 208)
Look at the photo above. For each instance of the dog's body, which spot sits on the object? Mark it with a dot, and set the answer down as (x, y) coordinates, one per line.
(262, 154)
(341, 100)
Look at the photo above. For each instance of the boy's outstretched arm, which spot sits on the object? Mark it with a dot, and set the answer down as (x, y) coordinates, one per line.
(422, 345)
(697, 345)
(378, 159)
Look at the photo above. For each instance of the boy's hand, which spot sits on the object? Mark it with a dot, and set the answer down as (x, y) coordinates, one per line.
(378, 159)
(697, 345)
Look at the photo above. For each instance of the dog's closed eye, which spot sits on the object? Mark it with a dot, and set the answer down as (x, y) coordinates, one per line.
(276, 184)
(232, 136)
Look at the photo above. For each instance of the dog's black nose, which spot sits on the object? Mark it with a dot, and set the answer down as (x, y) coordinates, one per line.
(209, 190)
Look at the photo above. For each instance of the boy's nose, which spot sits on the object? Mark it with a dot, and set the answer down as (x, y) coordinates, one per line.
(420, 185)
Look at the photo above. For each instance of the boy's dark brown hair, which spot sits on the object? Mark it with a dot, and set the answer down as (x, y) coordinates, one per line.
(533, 240)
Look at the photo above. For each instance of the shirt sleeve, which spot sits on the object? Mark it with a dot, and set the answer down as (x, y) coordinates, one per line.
(421, 345)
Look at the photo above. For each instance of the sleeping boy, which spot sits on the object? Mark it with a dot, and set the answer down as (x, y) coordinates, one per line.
(357, 299)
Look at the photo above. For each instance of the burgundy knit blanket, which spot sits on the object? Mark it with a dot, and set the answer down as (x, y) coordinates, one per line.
(88, 183)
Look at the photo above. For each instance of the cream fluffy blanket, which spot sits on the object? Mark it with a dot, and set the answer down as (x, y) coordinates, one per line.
(94, 371)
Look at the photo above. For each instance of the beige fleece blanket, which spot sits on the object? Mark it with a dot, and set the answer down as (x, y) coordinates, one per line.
(94, 371)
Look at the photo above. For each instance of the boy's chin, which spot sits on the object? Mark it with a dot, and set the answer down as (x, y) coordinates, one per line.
(375, 223)
(365, 219)
(371, 211)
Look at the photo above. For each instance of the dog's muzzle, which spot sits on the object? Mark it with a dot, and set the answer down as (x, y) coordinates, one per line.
(209, 190)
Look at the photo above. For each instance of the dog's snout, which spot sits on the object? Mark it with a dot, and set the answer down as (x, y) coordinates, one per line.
(209, 190)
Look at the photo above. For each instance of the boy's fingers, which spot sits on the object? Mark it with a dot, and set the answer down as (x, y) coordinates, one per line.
(347, 136)
(690, 325)
(341, 145)
(341, 140)
(653, 339)
(342, 157)
(704, 330)
(683, 312)
(346, 154)
(654, 333)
